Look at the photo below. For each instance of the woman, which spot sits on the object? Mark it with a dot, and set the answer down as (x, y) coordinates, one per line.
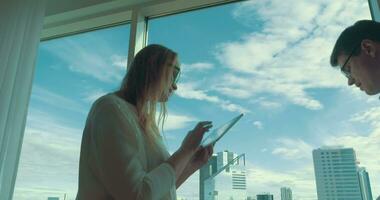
(122, 152)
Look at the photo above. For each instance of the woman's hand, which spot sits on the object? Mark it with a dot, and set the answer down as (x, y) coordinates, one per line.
(196, 161)
(200, 158)
(190, 156)
(194, 137)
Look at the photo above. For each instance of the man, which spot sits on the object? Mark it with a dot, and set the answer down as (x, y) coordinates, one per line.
(357, 53)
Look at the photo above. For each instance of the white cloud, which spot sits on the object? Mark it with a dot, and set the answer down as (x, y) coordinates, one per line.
(200, 66)
(366, 144)
(91, 96)
(258, 124)
(120, 61)
(50, 155)
(48, 97)
(189, 189)
(284, 89)
(227, 105)
(289, 53)
(367, 149)
(292, 149)
(259, 180)
(175, 121)
(270, 105)
(234, 92)
(286, 59)
(300, 180)
(371, 116)
(189, 91)
(99, 62)
(265, 103)
(40, 193)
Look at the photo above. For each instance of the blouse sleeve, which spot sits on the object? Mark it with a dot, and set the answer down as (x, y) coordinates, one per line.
(117, 156)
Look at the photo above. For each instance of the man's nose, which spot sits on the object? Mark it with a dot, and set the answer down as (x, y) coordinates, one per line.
(350, 81)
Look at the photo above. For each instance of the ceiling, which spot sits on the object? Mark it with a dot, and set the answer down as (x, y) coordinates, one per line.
(60, 6)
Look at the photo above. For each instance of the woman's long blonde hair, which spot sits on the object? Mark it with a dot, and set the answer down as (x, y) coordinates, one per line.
(147, 79)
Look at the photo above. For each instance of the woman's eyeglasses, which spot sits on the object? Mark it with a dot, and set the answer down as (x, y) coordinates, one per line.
(176, 74)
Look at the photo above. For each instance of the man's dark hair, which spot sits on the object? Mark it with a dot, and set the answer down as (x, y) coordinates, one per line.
(352, 37)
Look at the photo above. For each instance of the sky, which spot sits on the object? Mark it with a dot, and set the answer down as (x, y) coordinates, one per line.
(266, 59)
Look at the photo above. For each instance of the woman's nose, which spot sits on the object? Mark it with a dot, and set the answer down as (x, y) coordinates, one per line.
(174, 86)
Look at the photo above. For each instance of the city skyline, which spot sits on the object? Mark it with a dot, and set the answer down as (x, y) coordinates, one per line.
(337, 163)
(227, 161)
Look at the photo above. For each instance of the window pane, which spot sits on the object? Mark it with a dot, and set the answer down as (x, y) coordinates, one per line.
(71, 72)
(270, 61)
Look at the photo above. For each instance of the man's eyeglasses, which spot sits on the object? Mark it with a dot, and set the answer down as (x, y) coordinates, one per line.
(347, 70)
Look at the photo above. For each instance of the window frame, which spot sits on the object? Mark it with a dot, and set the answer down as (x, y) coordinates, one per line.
(375, 9)
(135, 12)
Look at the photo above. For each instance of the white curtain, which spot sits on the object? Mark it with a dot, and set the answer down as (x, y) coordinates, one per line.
(20, 26)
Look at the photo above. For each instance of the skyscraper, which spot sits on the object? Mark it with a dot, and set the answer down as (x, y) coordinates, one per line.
(223, 177)
(336, 174)
(264, 196)
(206, 183)
(286, 193)
(365, 185)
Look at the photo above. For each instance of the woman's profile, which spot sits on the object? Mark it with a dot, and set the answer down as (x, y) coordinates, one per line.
(122, 152)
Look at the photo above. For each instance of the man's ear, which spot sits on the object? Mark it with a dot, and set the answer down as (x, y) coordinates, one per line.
(368, 47)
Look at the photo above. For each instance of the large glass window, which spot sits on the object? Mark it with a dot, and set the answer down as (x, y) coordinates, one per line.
(71, 72)
(270, 60)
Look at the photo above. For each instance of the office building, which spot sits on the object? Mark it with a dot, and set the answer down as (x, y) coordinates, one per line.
(336, 174)
(266, 196)
(286, 193)
(206, 183)
(223, 177)
(365, 185)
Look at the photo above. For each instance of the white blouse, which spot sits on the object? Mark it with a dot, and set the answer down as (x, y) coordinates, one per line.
(116, 162)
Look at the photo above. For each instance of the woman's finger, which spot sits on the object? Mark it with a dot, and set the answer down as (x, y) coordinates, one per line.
(205, 155)
(203, 124)
(200, 132)
(211, 150)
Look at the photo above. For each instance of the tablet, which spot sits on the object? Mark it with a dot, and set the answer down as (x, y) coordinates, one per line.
(215, 134)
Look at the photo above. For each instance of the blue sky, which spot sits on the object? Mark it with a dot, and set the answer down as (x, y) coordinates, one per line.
(263, 58)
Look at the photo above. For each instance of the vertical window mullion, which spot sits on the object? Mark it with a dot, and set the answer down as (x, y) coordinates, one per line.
(374, 9)
(138, 34)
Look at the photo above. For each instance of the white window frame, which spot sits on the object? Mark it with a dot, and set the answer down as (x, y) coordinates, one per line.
(134, 12)
(375, 9)
(112, 13)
